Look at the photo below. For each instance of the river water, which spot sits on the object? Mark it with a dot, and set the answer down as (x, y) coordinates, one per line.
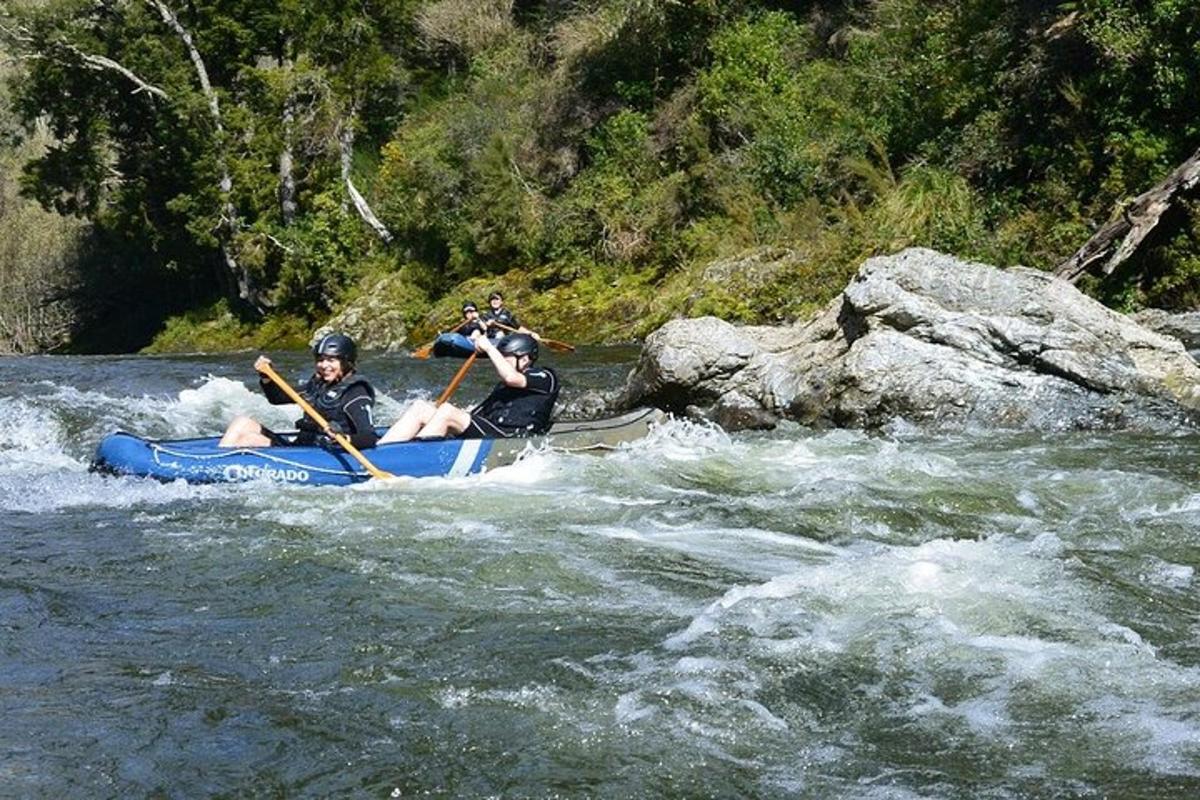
(797, 613)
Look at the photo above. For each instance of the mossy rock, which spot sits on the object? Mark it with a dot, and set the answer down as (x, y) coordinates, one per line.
(382, 312)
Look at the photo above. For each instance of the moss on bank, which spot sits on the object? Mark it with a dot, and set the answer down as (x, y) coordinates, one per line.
(216, 328)
(766, 285)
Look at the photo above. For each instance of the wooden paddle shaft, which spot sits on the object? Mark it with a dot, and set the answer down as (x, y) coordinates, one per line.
(553, 344)
(323, 423)
(458, 377)
(424, 350)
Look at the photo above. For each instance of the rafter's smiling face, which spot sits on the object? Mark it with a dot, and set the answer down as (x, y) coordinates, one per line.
(330, 369)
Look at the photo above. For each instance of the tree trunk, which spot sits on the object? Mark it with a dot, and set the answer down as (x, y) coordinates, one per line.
(345, 136)
(229, 224)
(346, 143)
(287, 181)
(1113, 244)
(287, 178)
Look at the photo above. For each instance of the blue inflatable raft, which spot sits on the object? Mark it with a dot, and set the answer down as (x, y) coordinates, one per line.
(201, 461)
(452, 345)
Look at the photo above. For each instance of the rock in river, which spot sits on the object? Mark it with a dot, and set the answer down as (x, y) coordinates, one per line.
(933, 340)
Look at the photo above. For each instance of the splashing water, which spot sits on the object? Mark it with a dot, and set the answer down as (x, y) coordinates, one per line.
(794, 613)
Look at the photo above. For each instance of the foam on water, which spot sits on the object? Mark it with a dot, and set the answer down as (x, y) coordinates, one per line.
(944, 607)
(799, 613)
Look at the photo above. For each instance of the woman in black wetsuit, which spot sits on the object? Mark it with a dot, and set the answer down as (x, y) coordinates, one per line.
(340, 395)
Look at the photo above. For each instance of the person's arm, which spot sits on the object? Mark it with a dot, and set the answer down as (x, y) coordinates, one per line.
(507, 372)
(275, 396)
(358, 407)
(534, 334)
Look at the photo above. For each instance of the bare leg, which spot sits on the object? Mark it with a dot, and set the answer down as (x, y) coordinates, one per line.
(447, 419)
(244, 432)
(411, 421)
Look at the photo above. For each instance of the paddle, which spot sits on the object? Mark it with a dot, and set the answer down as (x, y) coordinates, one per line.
(458, 377)
(425, 350)
(341, 439)
(561, 347)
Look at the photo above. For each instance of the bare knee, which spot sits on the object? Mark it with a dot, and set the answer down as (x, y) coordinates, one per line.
(244, 432)
(447, 419)
(411, 421)
(423, 409)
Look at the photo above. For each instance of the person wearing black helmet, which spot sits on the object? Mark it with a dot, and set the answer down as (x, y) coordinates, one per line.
(471, 320)
(338, 393)
(520, 405)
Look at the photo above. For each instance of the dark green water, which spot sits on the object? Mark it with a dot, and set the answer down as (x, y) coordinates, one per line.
(792, 614)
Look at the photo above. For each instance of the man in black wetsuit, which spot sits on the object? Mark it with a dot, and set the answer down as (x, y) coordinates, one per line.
(520, 405)
(499, 319)
(339, 394)
(471, 321)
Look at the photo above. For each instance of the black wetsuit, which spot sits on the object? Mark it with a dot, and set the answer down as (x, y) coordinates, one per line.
(509, 411)
(502, 316)
(346, 405)
(467, 328)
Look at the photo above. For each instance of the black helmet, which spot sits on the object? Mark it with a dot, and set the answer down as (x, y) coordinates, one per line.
(519, 344)
(469, 306)
(495, 296)
(336, 344)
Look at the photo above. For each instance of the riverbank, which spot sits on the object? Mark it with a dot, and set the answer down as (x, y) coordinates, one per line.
(391, 311)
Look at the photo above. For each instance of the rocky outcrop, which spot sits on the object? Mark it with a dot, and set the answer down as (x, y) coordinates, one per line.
(375, 317)
(1185, 327)
(935, 341)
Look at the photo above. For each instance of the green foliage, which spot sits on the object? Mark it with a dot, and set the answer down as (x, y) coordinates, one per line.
(733, 158)
(323, 255)
(797, 114)
(929, 207)
(609, 212)
(216, 328)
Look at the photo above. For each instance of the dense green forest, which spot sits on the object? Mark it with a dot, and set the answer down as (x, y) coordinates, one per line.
(232, 172)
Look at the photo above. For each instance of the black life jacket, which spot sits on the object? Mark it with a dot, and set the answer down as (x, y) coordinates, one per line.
(505, 318)
(528, 409)
(330, 401)
(467, 328)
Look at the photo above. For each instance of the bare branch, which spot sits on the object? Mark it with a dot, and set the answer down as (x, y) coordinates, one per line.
(345, 134)
(100, 63)
(23, 39)
(230, 224)
(278, 243)
(364, 211)
(516, 171)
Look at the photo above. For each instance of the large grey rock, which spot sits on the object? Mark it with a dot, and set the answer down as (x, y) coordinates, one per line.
(1185, 326)
(936, 341)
